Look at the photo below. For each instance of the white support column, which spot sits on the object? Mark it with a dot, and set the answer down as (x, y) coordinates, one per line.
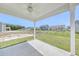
(72, 32)
(34, 30)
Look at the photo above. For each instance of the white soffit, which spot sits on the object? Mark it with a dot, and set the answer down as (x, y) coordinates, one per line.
(40, 10)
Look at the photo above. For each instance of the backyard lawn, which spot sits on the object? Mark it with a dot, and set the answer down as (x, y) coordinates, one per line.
(14, 42)
(58, 39)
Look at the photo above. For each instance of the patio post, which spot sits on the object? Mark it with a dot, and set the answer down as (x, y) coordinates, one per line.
(72, 30)
(34, 30)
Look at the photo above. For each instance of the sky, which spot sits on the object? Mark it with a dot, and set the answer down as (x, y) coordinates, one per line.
(60, 19)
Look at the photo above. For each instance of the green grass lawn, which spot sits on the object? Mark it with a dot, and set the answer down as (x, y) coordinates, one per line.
(58, 39)
(14, 42)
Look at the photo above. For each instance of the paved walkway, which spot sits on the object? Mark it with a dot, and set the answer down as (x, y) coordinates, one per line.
(23, 49)
(14, 36)
(48, 50)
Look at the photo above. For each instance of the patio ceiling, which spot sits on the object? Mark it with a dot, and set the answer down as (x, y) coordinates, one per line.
(33, 11)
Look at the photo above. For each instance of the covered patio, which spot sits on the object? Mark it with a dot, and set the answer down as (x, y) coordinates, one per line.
(38, 11)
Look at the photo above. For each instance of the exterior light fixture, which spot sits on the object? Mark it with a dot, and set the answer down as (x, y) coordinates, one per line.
(30, 8)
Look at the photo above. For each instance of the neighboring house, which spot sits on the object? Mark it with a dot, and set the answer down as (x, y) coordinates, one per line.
(2, 27)
(57, 28)
(77, 25)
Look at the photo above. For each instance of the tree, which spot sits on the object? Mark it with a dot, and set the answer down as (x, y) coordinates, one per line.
(44, 27)
(14, 27)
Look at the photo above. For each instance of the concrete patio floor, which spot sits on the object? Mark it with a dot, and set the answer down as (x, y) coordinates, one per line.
(48, 50)
(23, 49)
(33, 48)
